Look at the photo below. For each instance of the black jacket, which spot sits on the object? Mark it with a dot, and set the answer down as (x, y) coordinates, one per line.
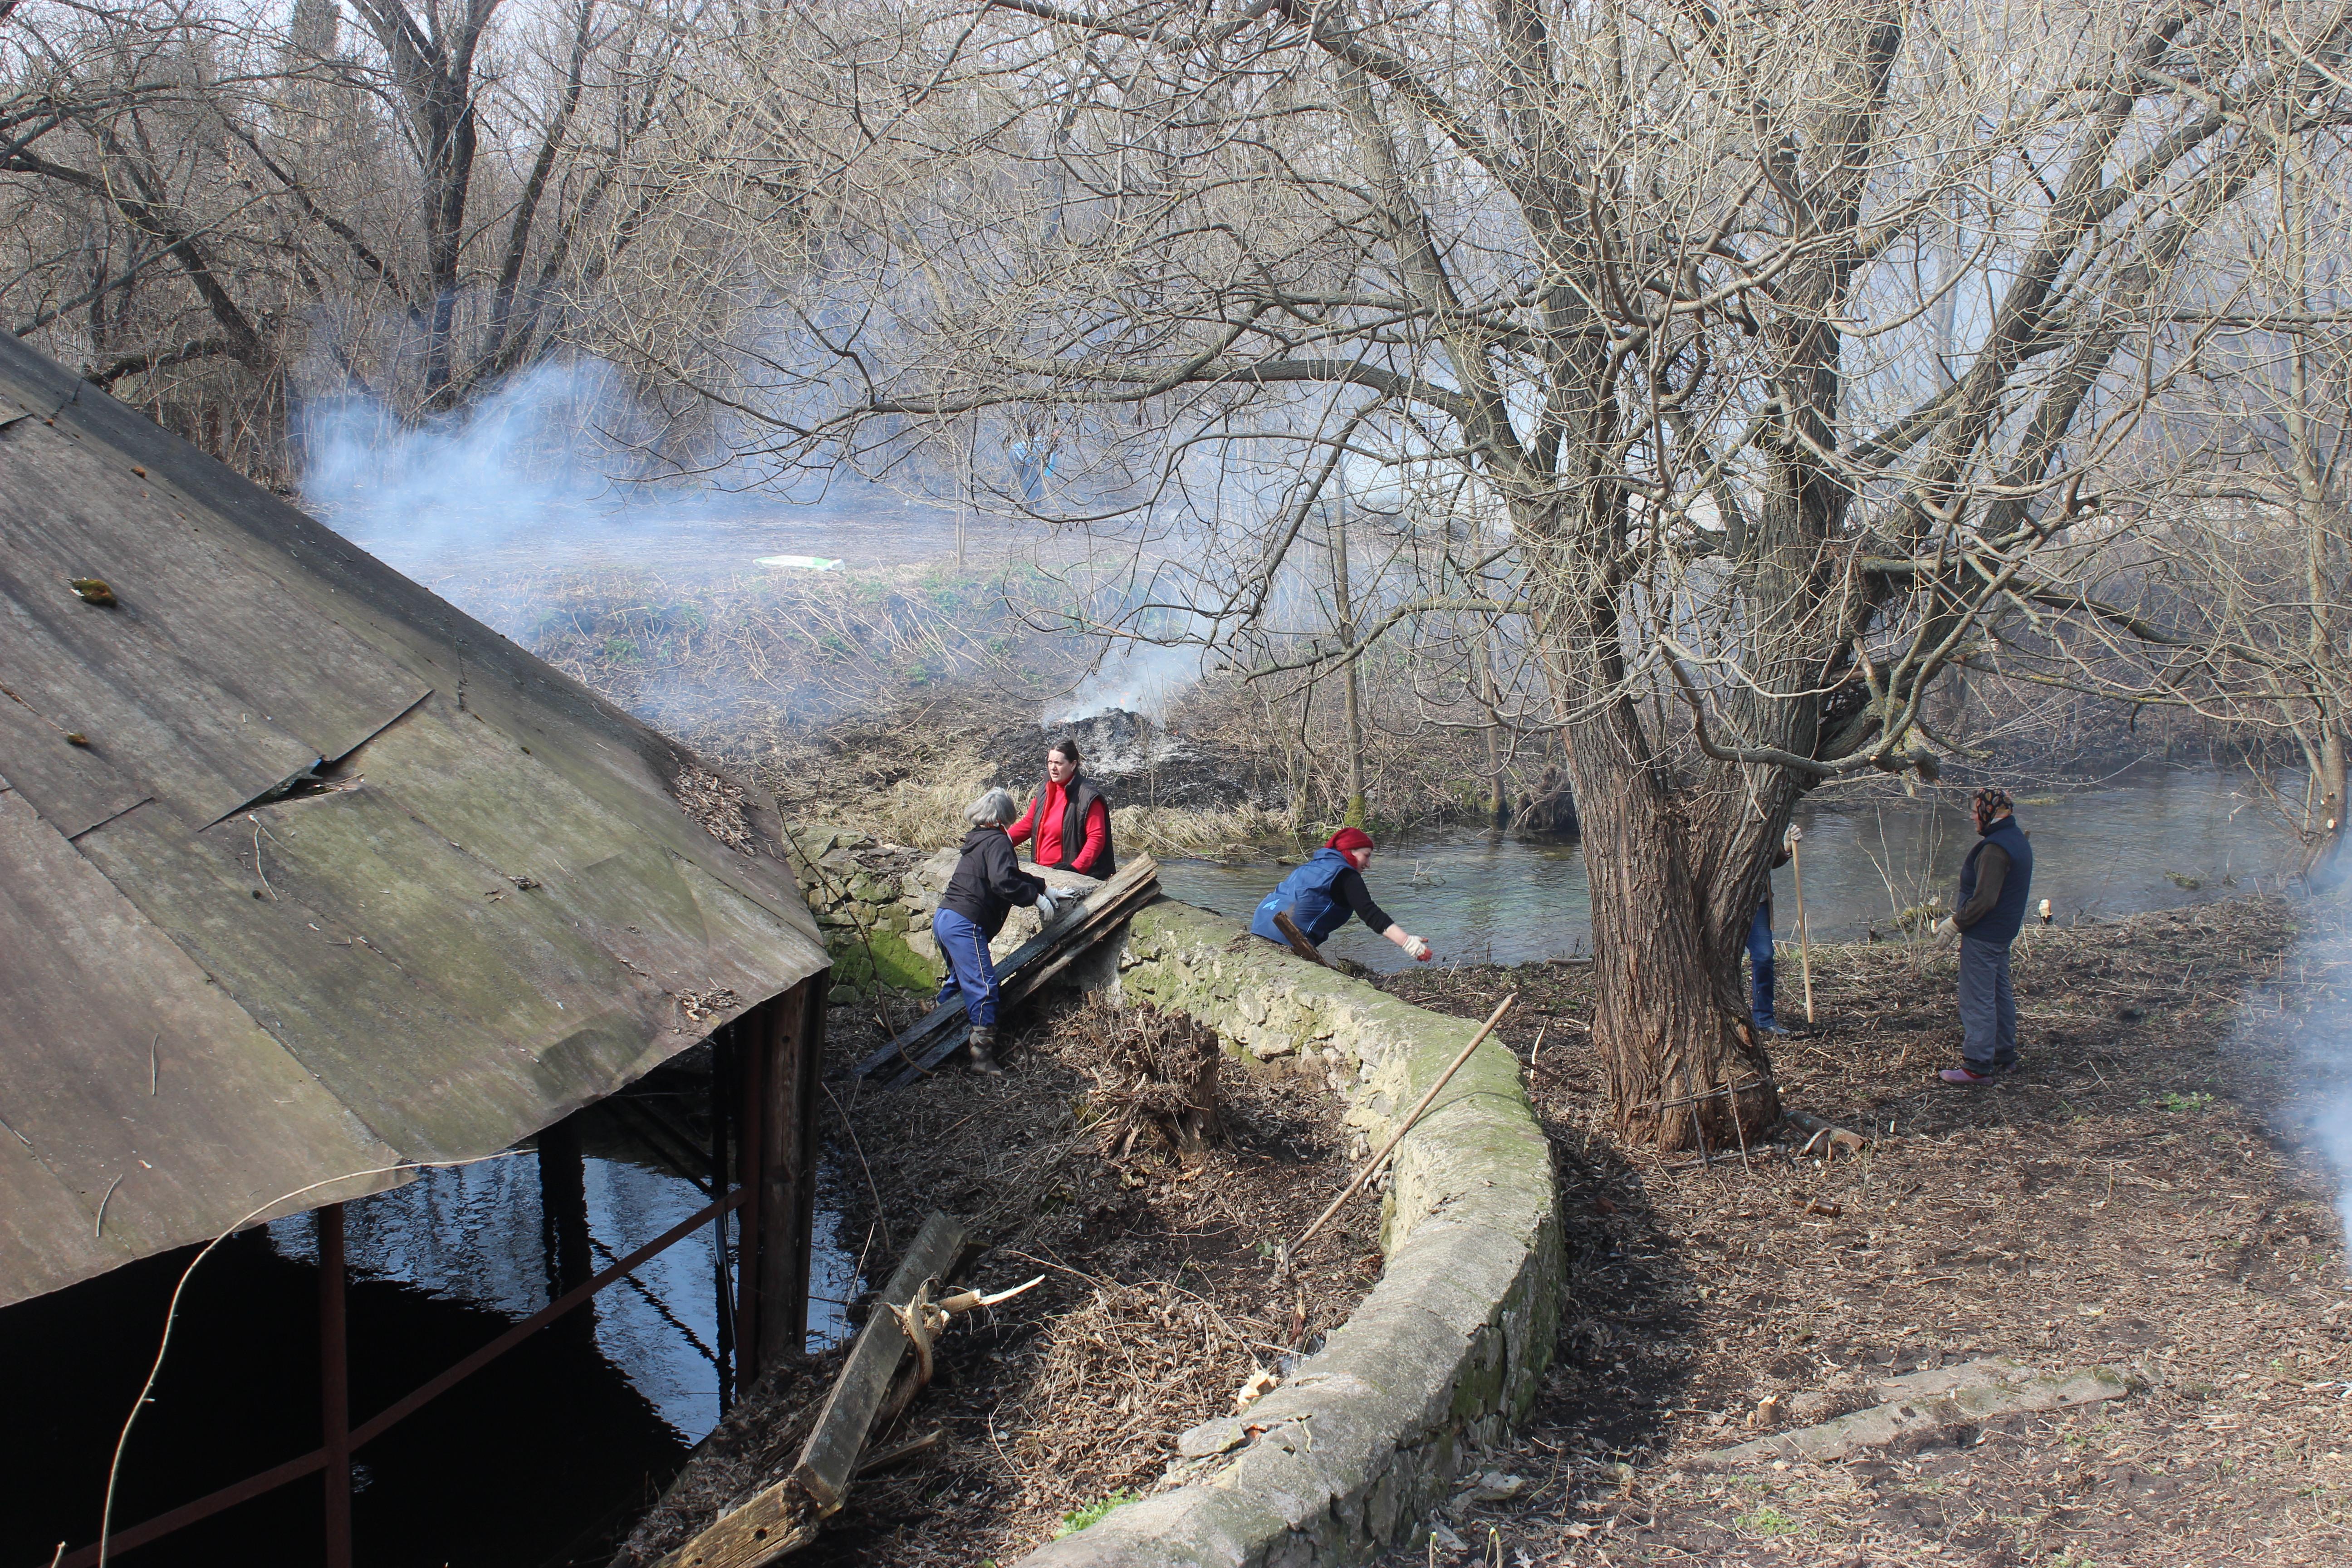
(989, 881)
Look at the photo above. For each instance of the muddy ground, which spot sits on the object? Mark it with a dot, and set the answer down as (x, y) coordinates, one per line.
(2136, 1197)
(1158, 1299)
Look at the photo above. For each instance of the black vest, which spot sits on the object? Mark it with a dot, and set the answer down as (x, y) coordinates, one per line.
(1079, 805)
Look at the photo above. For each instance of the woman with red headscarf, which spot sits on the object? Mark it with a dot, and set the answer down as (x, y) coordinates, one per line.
(1321, 894)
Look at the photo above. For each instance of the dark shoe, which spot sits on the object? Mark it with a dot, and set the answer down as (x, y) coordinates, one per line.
(983, 1051)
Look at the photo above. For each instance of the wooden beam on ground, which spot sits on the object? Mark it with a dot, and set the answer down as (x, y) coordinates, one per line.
(1075, 941)
(1131, 886)
(784, 1517)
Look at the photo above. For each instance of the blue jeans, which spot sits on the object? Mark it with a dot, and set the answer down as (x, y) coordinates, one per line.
(972, 974)
(1759, 964)
(1988, 1006)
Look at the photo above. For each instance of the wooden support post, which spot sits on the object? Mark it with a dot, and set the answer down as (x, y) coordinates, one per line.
(334, 1386)
(564, 1220)
(795, 1044)
(751, 1148)
(722, 1064)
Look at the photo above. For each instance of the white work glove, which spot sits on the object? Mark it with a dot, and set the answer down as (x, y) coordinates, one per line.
(1947, 930)
(1796, 834)
(1417, 948)
(1045, 909)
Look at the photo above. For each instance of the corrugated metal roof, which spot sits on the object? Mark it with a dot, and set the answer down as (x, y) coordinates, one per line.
(303, 872)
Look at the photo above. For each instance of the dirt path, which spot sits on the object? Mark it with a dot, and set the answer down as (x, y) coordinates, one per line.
(2135, 1198)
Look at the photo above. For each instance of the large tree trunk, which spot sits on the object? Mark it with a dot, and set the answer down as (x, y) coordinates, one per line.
(1685, 1068)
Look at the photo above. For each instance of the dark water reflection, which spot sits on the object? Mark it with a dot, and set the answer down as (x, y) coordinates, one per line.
(533, 1460)
(2127, 846)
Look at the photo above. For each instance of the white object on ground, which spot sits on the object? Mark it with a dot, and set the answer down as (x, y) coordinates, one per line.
(806, 562)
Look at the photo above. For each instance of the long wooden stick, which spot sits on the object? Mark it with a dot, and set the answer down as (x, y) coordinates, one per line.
(1804, 947)
(1397, 1137)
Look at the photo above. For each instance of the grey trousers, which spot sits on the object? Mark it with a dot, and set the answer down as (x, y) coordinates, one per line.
(1987, 1008)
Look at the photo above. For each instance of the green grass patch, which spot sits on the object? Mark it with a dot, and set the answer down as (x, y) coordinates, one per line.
(1078, 1518)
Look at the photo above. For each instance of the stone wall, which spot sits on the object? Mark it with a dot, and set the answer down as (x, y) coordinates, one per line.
(874, 897)
(1448, 1349)
(857, 884)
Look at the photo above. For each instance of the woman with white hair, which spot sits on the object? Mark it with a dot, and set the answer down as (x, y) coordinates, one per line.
(987, 885)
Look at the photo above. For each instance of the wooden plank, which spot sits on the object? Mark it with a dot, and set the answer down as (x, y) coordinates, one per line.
(147, 711)
(830, 1459)
(224, 1120)
(1033, 977)
(784, 1517)
(71, 786)
(76, 508)
(950, 1015)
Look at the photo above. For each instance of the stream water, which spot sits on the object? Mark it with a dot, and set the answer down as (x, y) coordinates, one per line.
(2149, 840)
(531, 1461)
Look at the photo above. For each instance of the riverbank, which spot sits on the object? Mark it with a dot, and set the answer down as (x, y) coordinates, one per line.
(2134, 1198)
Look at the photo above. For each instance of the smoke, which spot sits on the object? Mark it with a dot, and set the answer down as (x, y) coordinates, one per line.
(547, 463)
(2323, 1040)
(1145, 677)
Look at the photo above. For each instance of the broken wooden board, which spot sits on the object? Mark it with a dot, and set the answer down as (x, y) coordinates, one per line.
(1962, 1405)
(1840, 1140)
(1133, 884)
(784, 1517)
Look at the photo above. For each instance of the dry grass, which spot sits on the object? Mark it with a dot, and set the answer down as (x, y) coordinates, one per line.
(1234, 833)
(2135, 1198)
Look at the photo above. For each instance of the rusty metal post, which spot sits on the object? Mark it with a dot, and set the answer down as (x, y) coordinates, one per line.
(334, 1386)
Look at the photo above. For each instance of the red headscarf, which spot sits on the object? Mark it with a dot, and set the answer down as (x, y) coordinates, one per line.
(1347, 840)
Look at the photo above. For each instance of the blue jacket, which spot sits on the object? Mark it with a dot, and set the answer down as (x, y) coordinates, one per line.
(1307, 894)
(2000, 923)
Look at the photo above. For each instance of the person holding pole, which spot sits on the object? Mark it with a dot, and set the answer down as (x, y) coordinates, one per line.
(1759, 948)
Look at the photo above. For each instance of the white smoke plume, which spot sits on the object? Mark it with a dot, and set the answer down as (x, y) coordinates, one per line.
(534, 462)
(2324, 1041)
(1145, 677)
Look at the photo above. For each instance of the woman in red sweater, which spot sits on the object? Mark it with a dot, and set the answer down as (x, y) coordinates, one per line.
(1067, 817)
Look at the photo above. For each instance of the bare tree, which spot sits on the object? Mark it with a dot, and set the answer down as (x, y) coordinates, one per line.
(2232, 598)
(438, 197)
(1762, 351)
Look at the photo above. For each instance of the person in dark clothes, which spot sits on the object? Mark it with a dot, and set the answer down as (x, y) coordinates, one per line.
(1321, 894)
(1759, 948)
(1067, 817)
(1994, 881)
(988, 884)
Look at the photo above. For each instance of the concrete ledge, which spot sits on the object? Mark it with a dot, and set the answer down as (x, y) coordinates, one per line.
(1448, 1347)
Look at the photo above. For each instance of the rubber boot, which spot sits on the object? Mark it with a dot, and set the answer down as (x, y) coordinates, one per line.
(983, 1051)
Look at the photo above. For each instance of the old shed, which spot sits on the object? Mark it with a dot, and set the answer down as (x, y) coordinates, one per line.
(307, 878)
